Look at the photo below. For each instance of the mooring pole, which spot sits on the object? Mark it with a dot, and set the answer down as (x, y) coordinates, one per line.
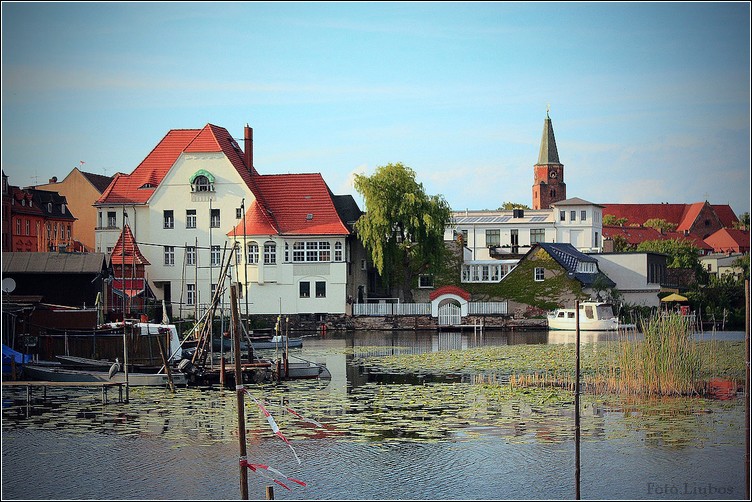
(239, 390)
(577, 403)
(746, 384)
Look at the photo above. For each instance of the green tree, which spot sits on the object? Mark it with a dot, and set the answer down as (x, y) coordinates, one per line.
(506, 206)
(743, 223)
(611, 220)
(622, 245)
(403, 227)
(682, 253)
(660, 224)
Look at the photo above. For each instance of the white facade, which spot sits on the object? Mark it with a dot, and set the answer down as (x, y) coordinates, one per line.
(636, 275)
(496, 240)
(182, 231)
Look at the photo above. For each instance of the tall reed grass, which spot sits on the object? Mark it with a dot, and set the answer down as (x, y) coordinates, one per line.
(665, 360)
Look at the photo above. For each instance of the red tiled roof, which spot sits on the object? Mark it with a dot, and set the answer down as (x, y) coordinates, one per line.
(682, 215)
(636, 235)
(726, 215)
(257, 222)
(729, 239)
(126, 188)
(132, 254)
(449, 290)
(300, 204)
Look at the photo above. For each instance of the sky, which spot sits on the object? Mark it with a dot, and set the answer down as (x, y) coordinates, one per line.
(650, 102)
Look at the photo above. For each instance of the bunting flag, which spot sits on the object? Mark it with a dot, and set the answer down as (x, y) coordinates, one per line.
(273, 424)
(301, 417)
(262, 470)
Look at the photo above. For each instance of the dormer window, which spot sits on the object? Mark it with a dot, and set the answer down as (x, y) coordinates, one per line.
(202, 181)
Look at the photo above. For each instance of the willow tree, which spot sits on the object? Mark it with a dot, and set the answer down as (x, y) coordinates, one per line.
(403, 227)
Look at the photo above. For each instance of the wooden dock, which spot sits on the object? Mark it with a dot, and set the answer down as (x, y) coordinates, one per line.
(31, 384)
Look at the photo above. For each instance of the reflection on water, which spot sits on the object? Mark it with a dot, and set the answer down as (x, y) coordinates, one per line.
(370, 436)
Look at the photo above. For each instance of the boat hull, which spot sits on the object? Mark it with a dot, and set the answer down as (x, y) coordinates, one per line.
(60, 374)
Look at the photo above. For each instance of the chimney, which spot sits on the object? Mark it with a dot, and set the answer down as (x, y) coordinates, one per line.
(249, 147)
(53, 179)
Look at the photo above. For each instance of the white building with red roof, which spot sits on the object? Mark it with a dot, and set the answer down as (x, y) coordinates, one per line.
(196, 194)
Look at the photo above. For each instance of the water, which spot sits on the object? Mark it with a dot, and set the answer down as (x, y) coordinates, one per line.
(419, 438)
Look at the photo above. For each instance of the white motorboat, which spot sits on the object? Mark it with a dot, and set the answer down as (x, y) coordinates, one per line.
(594, 316)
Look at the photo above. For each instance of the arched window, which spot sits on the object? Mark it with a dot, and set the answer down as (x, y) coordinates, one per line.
(202, 181)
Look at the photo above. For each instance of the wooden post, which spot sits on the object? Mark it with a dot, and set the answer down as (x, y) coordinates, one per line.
(239, 390)
(746, 383)
(577, 402)
(222, 372)
(164, 358)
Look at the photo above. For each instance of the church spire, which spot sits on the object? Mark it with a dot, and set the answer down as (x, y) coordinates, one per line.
(548, 152)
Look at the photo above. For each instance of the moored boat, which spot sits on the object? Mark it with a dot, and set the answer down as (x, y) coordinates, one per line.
(57, 373)
(594, 316)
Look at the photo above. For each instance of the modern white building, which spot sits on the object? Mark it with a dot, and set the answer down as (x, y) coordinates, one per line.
(495, 241)
(638, 276)
(197, 195)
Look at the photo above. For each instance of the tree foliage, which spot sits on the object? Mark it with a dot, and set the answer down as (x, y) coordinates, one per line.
(660, 224)
(506, 206)
(682, 253)
(743, 223)
(403, 227)
(611, 220)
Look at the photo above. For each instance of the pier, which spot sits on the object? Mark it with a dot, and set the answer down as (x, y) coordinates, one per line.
(29, 384)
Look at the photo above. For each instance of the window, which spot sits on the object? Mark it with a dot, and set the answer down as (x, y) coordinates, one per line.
(538, 274)
(169, 218)
(214, 218)
(49, 207)
(190, 218)
(562, 216)
(537, 235)
(202, 183)
(99, 219)
(238, 213)
(320, 289)
(425, 281)
(583, 215)
(28, 228)
(585, 267)
(493, 238)
(311, 251)
(338, 251)
(169, 256)
(191, 290)
(111, 219)
(596, 242)
(270, 253)
(572, 215)
(69, 232)
(190, 255)
(253, 252)
(363, 265)
(305, 289)
(215, 261)
(18, 226)
(287, 252)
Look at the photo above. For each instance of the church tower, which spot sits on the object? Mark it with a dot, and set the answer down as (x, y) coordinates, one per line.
(548, 173)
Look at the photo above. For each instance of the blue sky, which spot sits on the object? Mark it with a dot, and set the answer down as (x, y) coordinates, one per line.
(650, 102)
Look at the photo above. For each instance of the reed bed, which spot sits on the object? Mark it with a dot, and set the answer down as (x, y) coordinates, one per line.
(666, 362)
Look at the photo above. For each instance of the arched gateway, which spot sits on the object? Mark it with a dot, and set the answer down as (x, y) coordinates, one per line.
(449, 304)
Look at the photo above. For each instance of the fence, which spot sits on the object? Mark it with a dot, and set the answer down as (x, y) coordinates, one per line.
(408, 309)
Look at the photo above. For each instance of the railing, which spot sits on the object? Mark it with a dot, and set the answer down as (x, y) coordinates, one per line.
(408, 309)
(487, 308)
(385, 309)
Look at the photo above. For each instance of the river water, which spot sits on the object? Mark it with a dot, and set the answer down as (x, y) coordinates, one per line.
(365, 435)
